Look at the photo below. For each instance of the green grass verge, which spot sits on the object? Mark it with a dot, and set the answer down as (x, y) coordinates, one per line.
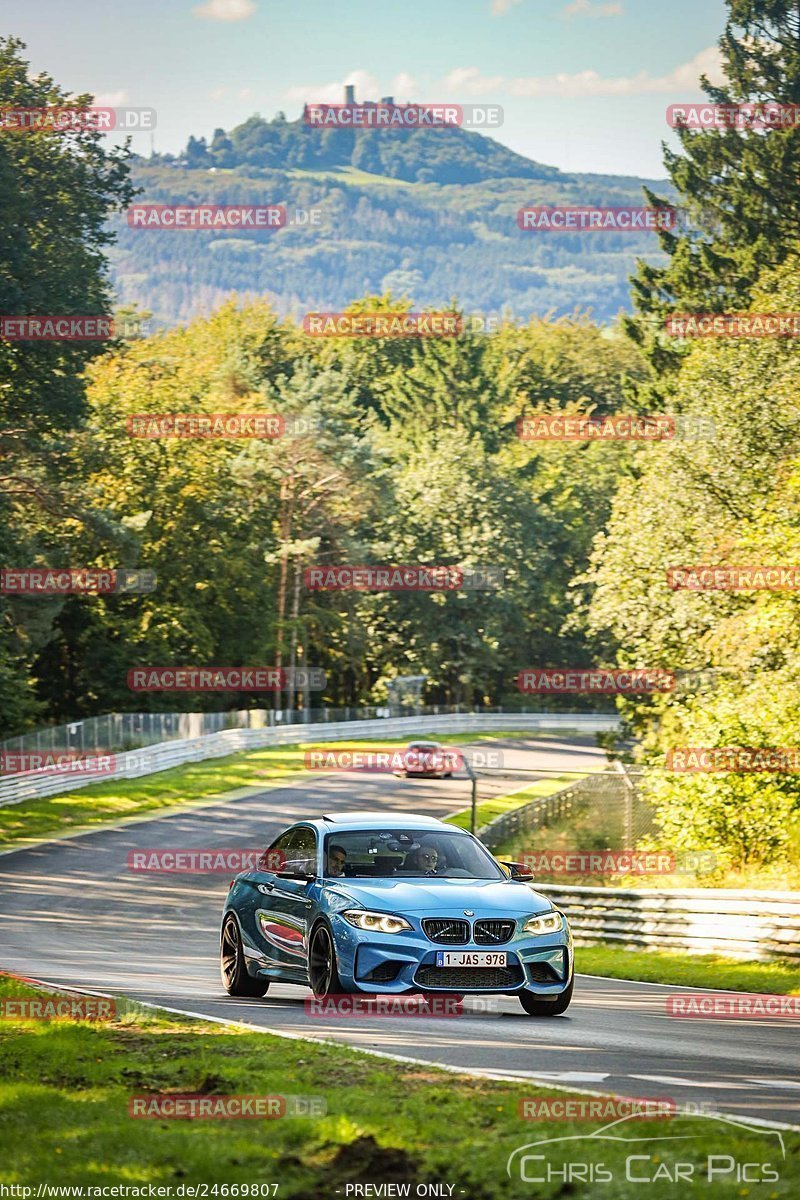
(106, 803)
(116, 800)
(65, 1088)
(596, 825)
(689, 970)
(487, 810)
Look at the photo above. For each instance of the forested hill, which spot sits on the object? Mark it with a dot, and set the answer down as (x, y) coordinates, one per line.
(429, 214)
(444, 155)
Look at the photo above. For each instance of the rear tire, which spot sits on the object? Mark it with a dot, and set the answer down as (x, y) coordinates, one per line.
(536, 1007)
(235, 978)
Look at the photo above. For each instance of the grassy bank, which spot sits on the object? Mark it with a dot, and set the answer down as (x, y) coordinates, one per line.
(487, 810)
(689, 970)
(65, 1088)
(597, 825)
(116, 800)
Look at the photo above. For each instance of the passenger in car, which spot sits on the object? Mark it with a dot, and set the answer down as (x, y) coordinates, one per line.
(425, 860)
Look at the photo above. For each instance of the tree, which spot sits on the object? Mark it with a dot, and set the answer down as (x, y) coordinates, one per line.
(729, 499)
(196, 154)
(737, 186)
(56, 191)
(221, 149)
(322, 480)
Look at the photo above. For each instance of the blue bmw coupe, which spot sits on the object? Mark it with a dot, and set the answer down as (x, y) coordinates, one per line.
(391, 904)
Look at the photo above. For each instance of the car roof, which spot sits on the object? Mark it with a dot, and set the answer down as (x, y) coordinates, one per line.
(380, 820)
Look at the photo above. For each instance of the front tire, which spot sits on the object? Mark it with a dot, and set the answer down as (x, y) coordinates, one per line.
(323, 974)
(535, 1007)
(233, 968)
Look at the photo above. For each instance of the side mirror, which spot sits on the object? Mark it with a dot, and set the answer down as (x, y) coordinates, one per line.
(270, 861)
(518, 871)
(305, 876)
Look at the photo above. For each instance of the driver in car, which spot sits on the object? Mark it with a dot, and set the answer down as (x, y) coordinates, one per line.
(337, 857)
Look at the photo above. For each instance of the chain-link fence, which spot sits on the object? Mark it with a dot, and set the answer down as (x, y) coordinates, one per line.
(116, 732)
(25, 781)
(606, 806)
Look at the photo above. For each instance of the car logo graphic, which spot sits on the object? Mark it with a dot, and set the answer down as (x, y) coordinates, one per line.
(620, 1127)
(468, 912)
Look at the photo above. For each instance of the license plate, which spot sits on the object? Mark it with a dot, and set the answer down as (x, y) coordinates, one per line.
(471, 958)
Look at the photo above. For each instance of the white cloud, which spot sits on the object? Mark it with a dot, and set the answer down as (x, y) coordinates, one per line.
(404, 87)
(217, 93)
(577, 8)
(707, 62)
(366, 85)
(585, 8)
(110, 99)
(245, 93)
(462, 82)
(470, 81)
(225, 10)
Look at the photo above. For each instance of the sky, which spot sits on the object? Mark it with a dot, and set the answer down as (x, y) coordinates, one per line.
(583, 84)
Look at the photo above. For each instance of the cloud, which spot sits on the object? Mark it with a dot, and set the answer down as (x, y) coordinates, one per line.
(708, 62)
(468, 81)
(585, 8)
(577, 8)
(110, 99)
(225, 10)
(462, 82)
(684, 78)
(404, 87)
(366, 85)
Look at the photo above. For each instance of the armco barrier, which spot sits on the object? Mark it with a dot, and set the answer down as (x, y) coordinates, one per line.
(739, 924)
(149, 760)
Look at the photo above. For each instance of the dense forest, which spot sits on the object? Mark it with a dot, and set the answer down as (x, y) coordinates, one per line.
(411, 455)
(428, 242)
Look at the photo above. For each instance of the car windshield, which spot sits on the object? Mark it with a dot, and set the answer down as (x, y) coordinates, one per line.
(408, 854)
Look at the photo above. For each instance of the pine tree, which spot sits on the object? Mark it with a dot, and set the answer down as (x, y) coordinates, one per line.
(738, 187)
(197, 152)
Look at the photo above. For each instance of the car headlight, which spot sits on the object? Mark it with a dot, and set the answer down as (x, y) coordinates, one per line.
(551, 922)
(379, 922)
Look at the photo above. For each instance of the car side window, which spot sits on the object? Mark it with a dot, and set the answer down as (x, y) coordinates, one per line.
(301, 851)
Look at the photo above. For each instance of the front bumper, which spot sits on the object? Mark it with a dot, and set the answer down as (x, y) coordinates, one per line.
(395, 963)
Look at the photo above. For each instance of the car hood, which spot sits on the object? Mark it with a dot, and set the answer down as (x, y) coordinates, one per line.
(443, 896)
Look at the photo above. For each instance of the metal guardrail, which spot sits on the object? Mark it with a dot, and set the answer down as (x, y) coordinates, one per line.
(738, 924)
(147, 761)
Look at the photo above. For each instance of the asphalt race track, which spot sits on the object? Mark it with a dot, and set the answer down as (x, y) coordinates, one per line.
(72, 913)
